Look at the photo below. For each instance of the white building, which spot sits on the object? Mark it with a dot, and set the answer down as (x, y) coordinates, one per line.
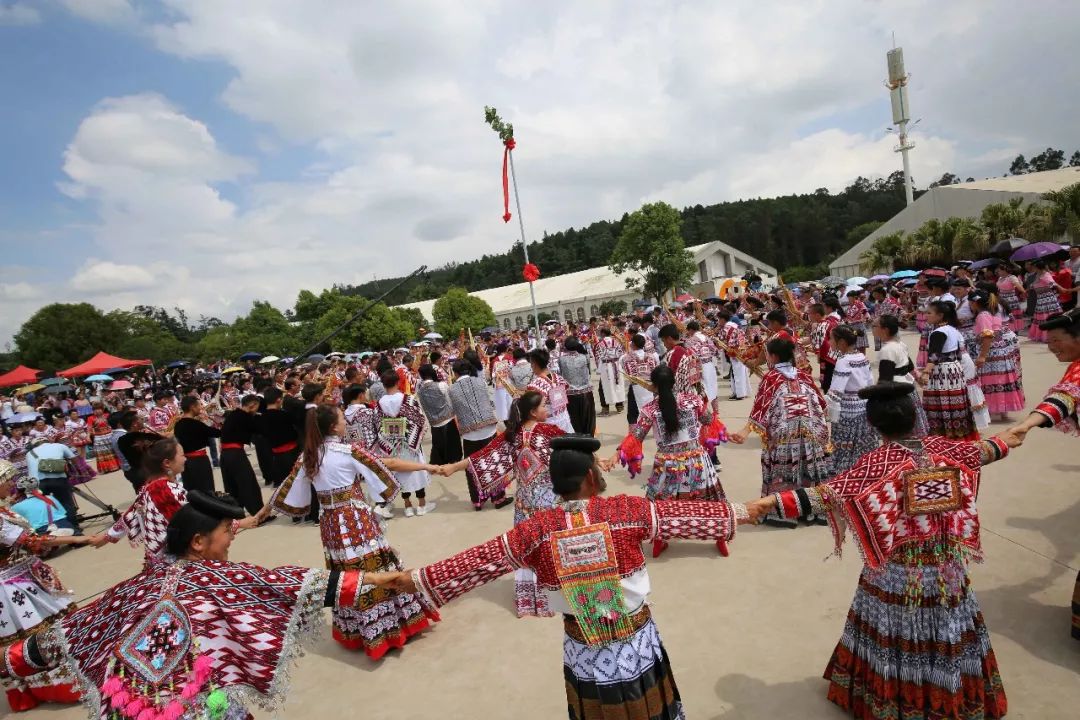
(578, 295)
(963, 200)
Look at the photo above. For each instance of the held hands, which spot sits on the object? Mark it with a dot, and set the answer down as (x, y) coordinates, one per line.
(737, 437)
(1012, 438)
(97, 541)
(759, 508)
(400, 582)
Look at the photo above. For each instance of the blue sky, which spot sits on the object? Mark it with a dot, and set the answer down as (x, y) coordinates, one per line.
(204, 154)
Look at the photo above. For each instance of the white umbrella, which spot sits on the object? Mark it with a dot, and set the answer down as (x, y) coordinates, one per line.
(269, 359)
(857, 280)
(851, 288)
(433, 336)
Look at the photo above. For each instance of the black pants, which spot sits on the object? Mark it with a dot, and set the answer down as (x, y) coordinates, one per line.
(239, 479)
(420, 494)
(264, 455)
(469, 447)
(61, 490)
(603, 400)
(631, 406)
(826, 376)
(283, 463)
(198, 474)
(582, 410)
(445, 444)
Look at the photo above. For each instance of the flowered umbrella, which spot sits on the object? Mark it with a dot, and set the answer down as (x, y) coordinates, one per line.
(1037, 251)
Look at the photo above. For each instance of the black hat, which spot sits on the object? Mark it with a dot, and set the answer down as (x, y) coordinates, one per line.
(572, 441)
(960, 282)
(218, 506)
(887, 390)
(1063, 321)
(571, 458)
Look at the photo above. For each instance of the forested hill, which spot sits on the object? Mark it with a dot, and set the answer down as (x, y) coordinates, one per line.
(788, 231)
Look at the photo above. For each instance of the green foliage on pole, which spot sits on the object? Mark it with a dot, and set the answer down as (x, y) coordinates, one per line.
(504, 129)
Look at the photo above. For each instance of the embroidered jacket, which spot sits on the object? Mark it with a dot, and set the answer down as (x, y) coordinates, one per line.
(1062, 401)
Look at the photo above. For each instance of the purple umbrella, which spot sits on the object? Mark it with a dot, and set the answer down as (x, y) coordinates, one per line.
(880, 277)
(1036, 251)
(980, 264)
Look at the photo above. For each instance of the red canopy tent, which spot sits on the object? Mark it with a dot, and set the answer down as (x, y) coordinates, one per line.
(21, 375)
(100, 363)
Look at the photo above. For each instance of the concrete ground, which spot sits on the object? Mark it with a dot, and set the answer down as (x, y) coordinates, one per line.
(748, 635)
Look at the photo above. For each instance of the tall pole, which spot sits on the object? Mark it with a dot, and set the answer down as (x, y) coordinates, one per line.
(524, 246)
(905, 146)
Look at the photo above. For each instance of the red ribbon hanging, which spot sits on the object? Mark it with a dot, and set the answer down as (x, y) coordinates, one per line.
(530, 272)
(509, 145)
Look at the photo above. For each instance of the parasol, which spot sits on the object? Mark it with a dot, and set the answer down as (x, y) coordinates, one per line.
(490, 329)
(30, 388)
(832, 281)
(901, 274)
(23, 417)
(318, 357)
(233, 369)
(250, 356)
(57, 389)
(980, 264)
(433, 336)
(177, 364)
(1037, 251)
(1008, 246)
(853, 288)
(98, 378)
(121, 385)
(269, 359)
(53, 381)
(857, 280)
(880, 277)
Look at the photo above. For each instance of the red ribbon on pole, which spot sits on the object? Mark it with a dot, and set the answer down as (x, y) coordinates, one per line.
(509, 145)
(530, 272)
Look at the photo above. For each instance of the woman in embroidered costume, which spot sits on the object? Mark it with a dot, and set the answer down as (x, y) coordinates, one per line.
(586, 553)
(685, 432)
(915, 645)
(851, 436)
(1047, 303)
(554, 389)
(401, 427)
(997, 357)
(789, 414)
(104, 456)
(1012, 295)
(948, 403)
(521, 453)
(894, 363)
(160, 496)
(887, 305)
(177, 640)
(858, 317)
(13, 446)
(352, 537)
(31, 598)
(1062, 402)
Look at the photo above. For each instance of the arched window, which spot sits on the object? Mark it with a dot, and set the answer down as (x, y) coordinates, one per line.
(581, 312)
(594, 311)
(569, 314)
(506, 323)
(531, 320)
(517, 321)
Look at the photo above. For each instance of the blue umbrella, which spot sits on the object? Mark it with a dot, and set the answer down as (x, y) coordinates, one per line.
(53, 381)
(899, 274)
(177, 364)
(98, 378)
(250, 356)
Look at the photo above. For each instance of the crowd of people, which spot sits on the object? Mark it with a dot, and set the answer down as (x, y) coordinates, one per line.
(877, 442)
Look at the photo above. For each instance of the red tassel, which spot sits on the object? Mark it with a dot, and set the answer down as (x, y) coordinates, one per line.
(631, 454)
(508, 146)
(713, 434)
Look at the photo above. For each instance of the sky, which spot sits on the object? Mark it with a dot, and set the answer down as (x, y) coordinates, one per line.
(204, 154)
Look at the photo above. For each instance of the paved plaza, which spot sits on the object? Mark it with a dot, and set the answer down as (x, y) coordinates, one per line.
(748, 635)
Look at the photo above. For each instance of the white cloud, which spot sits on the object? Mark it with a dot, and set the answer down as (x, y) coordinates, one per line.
(613, 103)
(97, 277)
(18, 291)
(19, 14)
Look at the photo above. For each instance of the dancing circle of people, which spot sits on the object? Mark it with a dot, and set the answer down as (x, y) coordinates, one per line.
(897, 461)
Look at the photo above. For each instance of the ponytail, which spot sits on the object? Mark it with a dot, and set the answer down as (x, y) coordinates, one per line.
(320, 421)
(520, 412)
(663, 378)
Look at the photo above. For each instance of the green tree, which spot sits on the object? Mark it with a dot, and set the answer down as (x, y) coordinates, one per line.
(651, 245)
(1019, 166)
(1074, 160)
(805, 273)
(1063, 211)
(414, 318)
(944, 241)
(144, 337)
(882, 254)
(1002, 220)
(1048, 159)
(458, 309)
(64, 334)
(266, 330)
(543, 317)
(310, 306)
(612, 307)
(946, 179)
(379, 328)
(220, 343)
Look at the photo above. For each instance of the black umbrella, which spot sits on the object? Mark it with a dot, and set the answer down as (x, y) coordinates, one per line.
(251, 356)
(177, 364)
(316, 358)
(57, 389)
(980, 264)
(1008, 246)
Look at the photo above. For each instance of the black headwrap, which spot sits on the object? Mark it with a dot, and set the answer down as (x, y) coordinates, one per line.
(571, 458)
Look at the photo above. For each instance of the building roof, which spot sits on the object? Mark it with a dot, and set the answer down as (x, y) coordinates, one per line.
(962, 200)
(593, 284)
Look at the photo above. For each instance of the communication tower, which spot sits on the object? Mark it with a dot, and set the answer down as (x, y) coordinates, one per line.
(901, 111)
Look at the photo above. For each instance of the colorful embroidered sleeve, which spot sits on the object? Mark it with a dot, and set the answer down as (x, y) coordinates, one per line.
(128, 524)
(762, 401)
(377, 476)
(447, 579)
(1061, 403)
(696, 520)
(293, 498)
(803, 502)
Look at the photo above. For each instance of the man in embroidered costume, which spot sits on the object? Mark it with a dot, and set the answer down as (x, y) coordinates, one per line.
(915, 645)
(196, 636)
(704, 349)
(586, 553)
(1059, 408)
(638, 364)
(401, 430)
(31, 598)
(683, 362)
(789, 415)
(613, 389)
(476, 422)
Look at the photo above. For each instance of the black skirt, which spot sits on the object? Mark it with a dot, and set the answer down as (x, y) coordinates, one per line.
(198, 474)
(582, 410)
(283, 464)
(445, 444)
